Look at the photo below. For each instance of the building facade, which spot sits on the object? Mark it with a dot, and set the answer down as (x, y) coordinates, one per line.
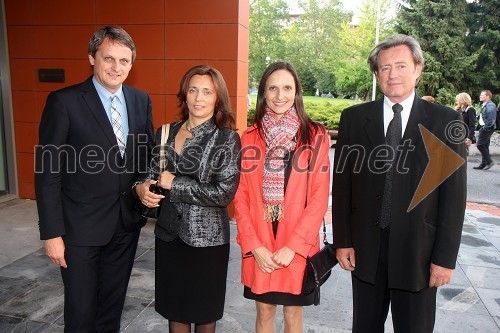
(40, 38)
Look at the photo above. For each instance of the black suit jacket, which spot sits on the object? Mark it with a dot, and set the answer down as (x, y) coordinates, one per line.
(431, 231)
(83, 185)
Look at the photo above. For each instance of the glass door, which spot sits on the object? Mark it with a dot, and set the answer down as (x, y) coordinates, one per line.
(4, 184)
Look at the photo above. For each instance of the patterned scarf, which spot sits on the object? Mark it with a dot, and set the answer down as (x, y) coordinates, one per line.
(279, 136)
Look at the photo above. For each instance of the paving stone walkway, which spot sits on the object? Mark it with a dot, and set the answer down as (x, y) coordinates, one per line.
(31, 293)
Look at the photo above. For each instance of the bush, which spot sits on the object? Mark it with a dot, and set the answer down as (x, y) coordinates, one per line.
(250, 115)
(327, 112)
(323, 110)
(328, 115)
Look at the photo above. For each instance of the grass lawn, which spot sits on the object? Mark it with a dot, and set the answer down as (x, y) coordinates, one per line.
(332, 101)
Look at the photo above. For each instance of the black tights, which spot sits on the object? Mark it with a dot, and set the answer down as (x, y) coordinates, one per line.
(178, 327)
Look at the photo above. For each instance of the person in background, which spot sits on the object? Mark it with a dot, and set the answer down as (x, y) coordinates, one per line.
(429, 99)
(397, 256)
(87, 215)
(487, 122)
(464, 106)
(200, 180)
(281, 199)
(249, 102)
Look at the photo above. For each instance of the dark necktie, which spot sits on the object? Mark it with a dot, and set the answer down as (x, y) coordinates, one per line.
(392, 138)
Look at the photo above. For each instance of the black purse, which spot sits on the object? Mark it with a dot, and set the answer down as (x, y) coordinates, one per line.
(154, 212)
(319, 268)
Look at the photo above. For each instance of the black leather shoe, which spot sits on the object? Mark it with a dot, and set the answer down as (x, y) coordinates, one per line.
(479, 167)
(489, 165)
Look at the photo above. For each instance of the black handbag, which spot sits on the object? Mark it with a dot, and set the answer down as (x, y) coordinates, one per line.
(318, 269)
(154, 212)
(319, 266)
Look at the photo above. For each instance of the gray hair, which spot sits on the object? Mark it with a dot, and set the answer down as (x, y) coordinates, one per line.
(114, 34)
(394, 41)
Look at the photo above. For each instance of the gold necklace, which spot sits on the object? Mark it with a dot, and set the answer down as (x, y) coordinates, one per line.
(186, 127)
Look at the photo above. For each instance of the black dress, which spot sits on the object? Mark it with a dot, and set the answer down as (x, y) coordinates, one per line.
(190, 282)
(281, 298)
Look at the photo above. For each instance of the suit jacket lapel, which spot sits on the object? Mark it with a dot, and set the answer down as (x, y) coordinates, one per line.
(89, 94)
(374, 125)
(131, 116)
(416, 159)
(418, 115)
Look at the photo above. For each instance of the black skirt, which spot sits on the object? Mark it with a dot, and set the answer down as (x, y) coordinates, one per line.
(190, 282)
(279, 298)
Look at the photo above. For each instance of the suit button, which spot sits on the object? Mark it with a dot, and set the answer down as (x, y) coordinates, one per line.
(179, 216)
(379, 196)
(376, 222)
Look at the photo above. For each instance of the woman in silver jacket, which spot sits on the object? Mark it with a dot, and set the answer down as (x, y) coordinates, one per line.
(200, 180)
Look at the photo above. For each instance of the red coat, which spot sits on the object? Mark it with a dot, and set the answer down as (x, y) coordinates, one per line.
(299, 227)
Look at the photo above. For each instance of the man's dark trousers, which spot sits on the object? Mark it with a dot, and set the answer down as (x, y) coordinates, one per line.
(88, 301)
(411, 311)
(483, 145)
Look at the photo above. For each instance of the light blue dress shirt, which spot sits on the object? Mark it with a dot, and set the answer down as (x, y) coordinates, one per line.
(105, 97)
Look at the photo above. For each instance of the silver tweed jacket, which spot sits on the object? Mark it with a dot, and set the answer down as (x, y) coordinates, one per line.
(206, 179)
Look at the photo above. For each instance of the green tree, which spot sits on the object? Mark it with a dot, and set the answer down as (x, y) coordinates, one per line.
(440, 28)
(267, 43)
(296, 50)
(353, 47)
(307, 80)
(484, 39)
(311, 40)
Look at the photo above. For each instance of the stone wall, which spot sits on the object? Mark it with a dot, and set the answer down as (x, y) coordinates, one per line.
(494, 145)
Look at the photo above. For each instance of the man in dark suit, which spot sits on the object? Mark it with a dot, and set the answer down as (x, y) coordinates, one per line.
(94, 143)
(398, 254)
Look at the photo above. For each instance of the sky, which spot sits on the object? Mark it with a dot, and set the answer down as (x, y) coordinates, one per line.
(348, 5)
(351, 5)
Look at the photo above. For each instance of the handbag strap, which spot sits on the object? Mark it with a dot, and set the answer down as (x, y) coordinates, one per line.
(325, 241)
(165, 131)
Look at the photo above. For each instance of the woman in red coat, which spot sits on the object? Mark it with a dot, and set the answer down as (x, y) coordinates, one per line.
(281, 199)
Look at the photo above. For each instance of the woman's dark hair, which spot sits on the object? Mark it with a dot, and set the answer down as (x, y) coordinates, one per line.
(114, 34)
(304, 135)
(223, 117)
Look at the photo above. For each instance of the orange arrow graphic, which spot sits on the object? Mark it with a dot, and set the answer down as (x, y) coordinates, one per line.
(443, 161)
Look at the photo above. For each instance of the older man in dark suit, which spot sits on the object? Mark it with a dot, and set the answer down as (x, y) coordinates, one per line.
(398, 251)
(94, 142)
